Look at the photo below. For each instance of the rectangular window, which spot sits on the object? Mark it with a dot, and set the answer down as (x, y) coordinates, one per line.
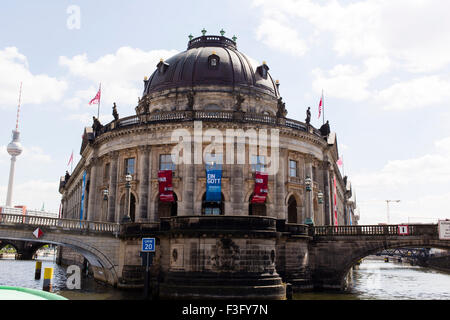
(293, 168)
(212, 211)
(258, 163)
(129, 166)
(165, 162)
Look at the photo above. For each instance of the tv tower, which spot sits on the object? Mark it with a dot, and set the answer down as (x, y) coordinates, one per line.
(14, 149)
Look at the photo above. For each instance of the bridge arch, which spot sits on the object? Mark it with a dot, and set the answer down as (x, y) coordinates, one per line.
(342, 255)
(104, 264)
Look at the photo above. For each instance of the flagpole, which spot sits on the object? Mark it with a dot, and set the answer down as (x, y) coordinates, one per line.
(323, 107)
(71, 164)
(99, 98)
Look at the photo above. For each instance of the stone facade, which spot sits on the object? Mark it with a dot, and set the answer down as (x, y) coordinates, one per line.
(193, 102)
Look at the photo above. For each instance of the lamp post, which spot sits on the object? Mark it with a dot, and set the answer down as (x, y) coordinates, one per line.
(105, 199)
(320, 197)
(128, 179)
(387, 206)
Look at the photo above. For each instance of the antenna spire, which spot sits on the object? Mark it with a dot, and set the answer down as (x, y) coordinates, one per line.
(18, 107)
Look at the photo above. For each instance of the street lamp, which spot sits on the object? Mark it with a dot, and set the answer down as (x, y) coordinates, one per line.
(128, 179)
(387, 205)
(105, 200)
(308, 183)
(105, 194)
(320, 197)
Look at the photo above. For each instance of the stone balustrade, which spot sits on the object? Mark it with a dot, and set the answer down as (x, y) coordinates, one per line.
(66, 224)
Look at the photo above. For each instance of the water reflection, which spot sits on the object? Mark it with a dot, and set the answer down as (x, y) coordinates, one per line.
(372, 280)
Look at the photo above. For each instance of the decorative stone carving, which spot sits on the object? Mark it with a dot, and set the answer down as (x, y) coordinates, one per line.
(225, 255)
(191, 100)
(282, 112)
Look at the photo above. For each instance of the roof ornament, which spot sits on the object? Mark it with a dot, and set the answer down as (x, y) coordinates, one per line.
(222, 32)
(204, 31)
(190, 37)
(234, 38)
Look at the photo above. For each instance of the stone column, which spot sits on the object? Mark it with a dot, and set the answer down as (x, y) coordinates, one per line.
(327, 192)
(114, 156)
(91, 213)
(152, 173)
(280, 185)
(143, 176)
(237, 188)
(188, 182)
(309, 194)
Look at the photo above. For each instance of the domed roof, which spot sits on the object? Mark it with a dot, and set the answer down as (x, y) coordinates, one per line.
(211, 60)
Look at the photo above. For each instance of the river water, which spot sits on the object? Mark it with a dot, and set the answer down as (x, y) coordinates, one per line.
(373, 280)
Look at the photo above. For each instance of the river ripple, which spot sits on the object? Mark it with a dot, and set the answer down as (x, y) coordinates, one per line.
(373, 280)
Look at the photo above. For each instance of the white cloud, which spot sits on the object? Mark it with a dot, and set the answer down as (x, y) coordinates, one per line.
(420, 183)
(415, 93)
(280, 36)
(121, 75)
(379, 37)
(33, 155)
(413, 31)
(34, 193)
(37, 89)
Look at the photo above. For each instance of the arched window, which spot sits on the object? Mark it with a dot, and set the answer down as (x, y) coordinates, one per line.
(124, 207)
(168, 209)
(212, 208)
(292, 210)
(257, 209)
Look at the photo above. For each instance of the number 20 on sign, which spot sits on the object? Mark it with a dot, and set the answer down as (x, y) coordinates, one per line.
(148, 245)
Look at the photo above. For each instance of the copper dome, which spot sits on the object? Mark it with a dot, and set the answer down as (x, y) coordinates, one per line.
(211, 61)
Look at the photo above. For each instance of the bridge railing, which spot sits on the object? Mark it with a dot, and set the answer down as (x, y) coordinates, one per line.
(66, 224)
(375, 230)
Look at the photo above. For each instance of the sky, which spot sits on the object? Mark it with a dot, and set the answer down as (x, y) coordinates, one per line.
(383, 66)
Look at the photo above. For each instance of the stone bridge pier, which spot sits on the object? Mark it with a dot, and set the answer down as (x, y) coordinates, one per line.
(334, 252)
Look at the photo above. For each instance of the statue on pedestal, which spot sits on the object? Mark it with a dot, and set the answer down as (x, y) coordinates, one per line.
(239, 101)
(308, 116)
(115, 114)
(282, 112)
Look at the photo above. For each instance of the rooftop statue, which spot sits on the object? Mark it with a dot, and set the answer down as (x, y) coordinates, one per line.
(239, 101)
(115, 114)
(282, 112)
(308, 116)
(190, 97)
(325, 129)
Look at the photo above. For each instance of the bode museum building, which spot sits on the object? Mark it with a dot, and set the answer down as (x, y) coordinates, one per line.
(212, 168)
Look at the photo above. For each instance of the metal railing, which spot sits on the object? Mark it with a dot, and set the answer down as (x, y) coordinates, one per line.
(375, 230)
(65, 224)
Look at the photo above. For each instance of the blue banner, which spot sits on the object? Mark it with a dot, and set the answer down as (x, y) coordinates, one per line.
(82, 195)
(213, 185)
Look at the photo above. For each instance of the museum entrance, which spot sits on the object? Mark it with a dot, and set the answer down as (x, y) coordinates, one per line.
(212, 208)
(168, 209)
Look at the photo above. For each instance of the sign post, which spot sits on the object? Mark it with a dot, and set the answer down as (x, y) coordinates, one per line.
(444, 229)
(148, 250)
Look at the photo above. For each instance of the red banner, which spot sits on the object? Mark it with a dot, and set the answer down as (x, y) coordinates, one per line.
(165, 186)
(261, 189)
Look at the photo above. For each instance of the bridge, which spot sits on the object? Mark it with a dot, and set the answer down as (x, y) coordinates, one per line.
(336, 249)
(97, 242)
(317, 257)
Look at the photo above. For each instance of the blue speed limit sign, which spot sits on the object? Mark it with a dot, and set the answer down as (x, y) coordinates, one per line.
(148, 245)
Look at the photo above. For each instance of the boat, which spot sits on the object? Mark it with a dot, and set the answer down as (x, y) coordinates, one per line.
(18, 293)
